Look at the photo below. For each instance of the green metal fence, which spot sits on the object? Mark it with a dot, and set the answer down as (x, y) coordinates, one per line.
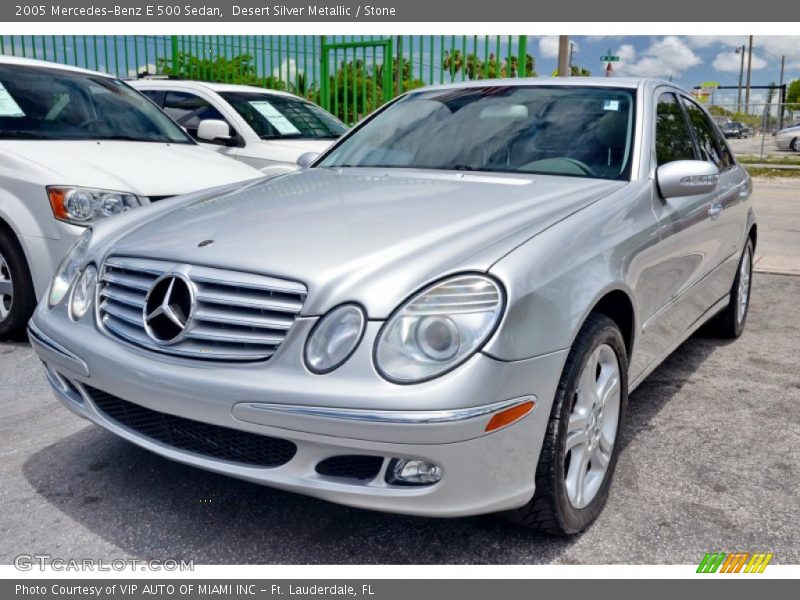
(348, 75)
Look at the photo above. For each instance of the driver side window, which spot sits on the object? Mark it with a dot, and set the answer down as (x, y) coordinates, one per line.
(673, 139)
(188, 110)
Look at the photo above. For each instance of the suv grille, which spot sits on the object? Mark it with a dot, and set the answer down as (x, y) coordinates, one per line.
(237, 316)
(193, 436)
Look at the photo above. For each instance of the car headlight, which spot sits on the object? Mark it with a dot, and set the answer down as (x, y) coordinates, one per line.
(83, 206)
(82, 293)
(68, 269)
(439, 328)
(334, 338)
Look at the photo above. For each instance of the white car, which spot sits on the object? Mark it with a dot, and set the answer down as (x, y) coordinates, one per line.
(788, 138)
(267, 129)
(78, 146)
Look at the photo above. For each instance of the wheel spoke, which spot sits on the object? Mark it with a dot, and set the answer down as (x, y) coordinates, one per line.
(608, 387)
(6, 287)
(576, 439)
(576, 477)
(601, 455)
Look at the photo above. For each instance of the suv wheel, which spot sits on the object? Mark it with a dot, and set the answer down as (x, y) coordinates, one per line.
(581, 444)
(17, 298)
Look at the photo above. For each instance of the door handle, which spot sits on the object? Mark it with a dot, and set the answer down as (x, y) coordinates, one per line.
(715, 210)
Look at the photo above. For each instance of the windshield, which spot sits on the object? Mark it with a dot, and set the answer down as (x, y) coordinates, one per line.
(573, 131)
(275, 117)
(51, 104)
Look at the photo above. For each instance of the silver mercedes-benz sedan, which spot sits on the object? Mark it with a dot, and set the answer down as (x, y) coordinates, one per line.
(443, 315)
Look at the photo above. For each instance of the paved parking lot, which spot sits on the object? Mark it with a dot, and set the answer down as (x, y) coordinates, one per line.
(711, 461)
(752, 146)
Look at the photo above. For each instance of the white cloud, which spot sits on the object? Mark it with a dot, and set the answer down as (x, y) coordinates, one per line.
(706, 41)
(548, 46)
(730, 62)
(665, 57)
(288, 70)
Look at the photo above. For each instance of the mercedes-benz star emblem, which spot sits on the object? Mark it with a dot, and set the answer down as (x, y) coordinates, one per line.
(168, 308)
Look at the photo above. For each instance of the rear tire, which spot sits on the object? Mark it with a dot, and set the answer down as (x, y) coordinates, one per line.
(581, 445)
(730, 322)
(17, 297)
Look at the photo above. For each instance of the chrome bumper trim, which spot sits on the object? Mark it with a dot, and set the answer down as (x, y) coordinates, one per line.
(391, 416)
(50, 350)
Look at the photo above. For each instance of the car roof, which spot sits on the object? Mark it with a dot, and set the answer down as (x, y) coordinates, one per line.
(46, 64)
(209, 85)
(611, 82)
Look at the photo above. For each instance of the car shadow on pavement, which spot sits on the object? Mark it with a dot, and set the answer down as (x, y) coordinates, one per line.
(150, 507)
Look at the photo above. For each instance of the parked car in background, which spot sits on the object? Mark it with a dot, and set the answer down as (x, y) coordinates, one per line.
(734, 129)
(788, 138)
(266, 129)
(76, 147)
(443, 316)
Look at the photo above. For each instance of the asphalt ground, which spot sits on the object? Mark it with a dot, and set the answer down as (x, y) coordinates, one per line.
(710, 462)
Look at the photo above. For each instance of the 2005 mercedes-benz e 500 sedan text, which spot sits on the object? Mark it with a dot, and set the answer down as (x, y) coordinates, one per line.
(442, 316)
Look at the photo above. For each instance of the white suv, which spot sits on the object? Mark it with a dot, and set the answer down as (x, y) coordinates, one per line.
(77, 146)
(267, 129)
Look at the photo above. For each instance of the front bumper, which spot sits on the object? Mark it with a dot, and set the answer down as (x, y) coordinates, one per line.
(351, 411)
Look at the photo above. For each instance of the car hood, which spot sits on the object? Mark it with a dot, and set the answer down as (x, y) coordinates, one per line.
(361, 235)
(283, 150)
(142, 168)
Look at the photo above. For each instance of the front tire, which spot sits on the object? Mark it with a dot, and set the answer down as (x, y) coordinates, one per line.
(730, 322)
(581, 445)
(17, 298)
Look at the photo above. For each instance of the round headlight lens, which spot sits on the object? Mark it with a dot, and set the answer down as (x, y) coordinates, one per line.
(82, 293)
(111, 204)
(439, 328)
(79, 204)
(334, 338)
(68, 269)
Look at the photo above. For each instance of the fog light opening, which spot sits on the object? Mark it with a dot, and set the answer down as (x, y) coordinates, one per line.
(412, 471)
(509, 416)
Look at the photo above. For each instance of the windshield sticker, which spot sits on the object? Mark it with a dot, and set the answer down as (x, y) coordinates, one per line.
(611, 105)
(275, 118)
(8, 106)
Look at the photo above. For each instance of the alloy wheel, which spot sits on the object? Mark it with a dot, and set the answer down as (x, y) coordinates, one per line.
(6, 289)
(592, 426)
(743, 292)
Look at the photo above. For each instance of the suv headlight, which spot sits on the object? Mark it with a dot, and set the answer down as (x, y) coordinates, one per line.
(439, 328)
(84, 206)
(68, 269)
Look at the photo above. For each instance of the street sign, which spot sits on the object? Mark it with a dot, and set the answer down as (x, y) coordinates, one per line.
(609, 58)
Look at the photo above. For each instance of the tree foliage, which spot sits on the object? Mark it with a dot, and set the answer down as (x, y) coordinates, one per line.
(455, 62)
(238, 69)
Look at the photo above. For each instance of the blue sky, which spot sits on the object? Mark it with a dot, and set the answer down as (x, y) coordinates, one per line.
(690, 60)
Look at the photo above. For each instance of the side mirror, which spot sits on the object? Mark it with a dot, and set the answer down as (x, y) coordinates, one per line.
(306, 159)
(687, 178)
(214, 130)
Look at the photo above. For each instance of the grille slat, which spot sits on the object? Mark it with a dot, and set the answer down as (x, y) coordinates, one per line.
(237, 317)
(208, 440)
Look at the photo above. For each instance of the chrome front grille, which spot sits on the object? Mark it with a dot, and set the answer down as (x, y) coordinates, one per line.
(237, 316)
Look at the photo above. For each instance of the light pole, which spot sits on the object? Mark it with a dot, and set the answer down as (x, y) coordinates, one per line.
(740, 50)
(749, 70)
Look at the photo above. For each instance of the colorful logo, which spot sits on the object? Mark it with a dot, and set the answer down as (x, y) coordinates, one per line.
(734, 562)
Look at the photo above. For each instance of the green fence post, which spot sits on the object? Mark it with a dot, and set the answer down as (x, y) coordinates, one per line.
(324, 91)
(523, 55)
(175, 52)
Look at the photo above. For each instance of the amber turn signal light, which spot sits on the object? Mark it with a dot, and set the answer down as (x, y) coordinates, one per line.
(509, 415)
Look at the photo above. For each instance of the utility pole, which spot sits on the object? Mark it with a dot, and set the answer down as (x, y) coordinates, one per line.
(563, 56)
(781, 98)
(571, 54)
(749, 70)
(740, 50)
